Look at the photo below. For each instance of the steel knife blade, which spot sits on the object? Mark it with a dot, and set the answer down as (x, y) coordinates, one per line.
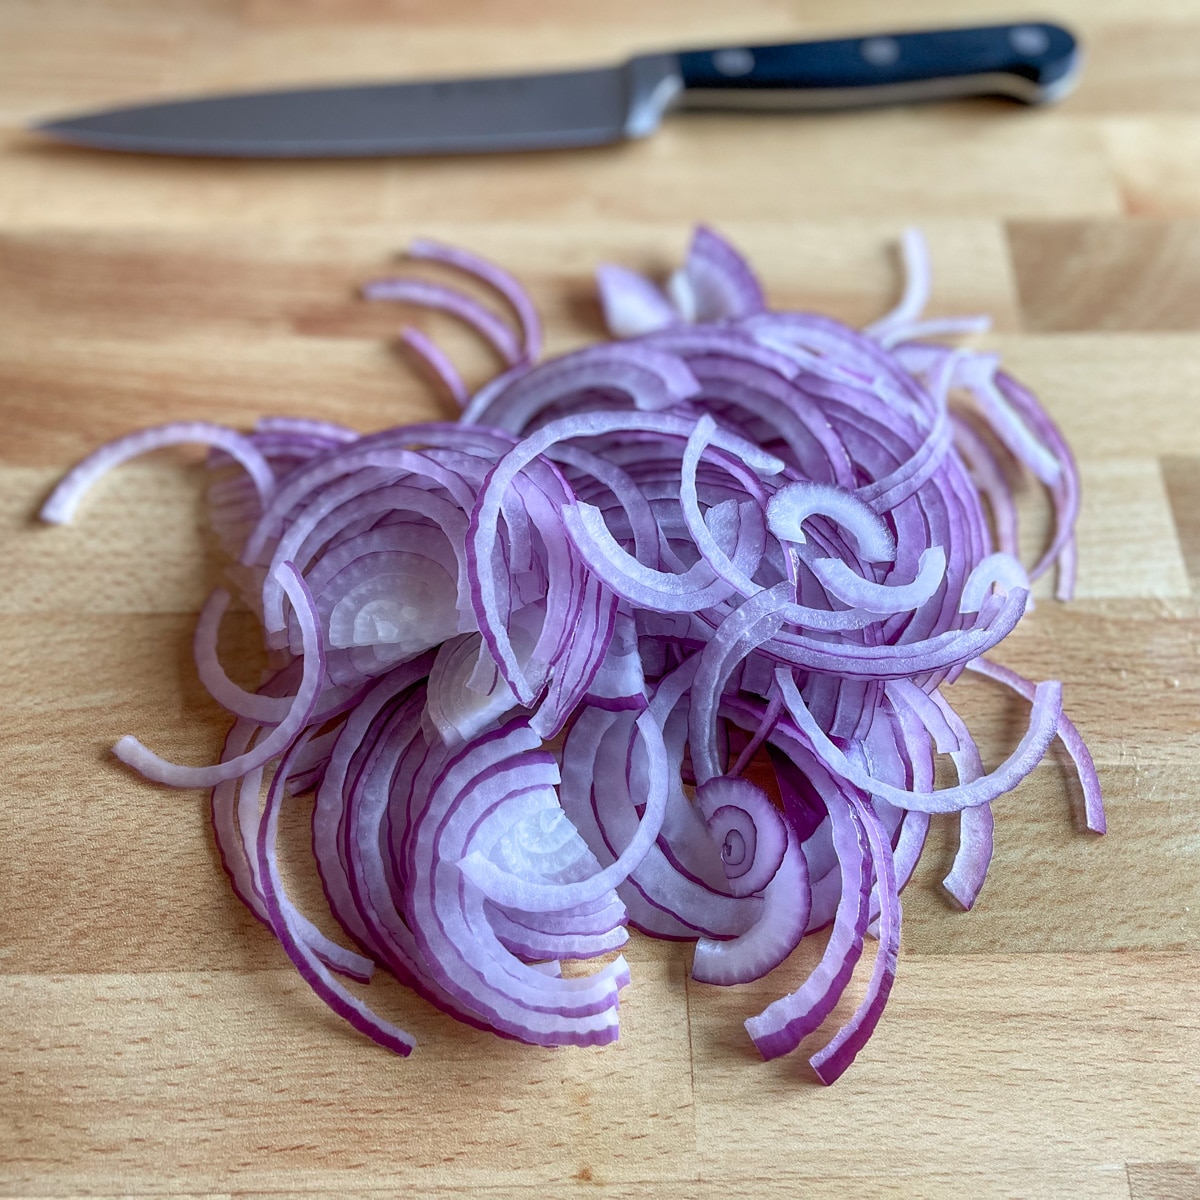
(1030, 62)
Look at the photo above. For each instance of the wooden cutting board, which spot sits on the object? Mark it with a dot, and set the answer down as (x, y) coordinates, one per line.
(154, 1040)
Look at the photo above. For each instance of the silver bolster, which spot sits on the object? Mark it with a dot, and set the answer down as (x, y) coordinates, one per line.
(653, 82)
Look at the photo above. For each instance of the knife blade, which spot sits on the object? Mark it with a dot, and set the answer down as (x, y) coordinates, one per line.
(1030, 62)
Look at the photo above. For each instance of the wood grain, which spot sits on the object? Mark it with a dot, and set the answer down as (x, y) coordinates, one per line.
(1164, 1181)
(1181, 474)
(153, 1039)
(1107, 275)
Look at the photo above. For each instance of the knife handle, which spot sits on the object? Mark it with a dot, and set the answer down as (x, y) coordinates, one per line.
(1032, 62)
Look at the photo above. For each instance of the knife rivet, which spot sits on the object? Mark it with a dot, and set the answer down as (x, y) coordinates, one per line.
(733, 62)
(880, 51)
(1028, 39)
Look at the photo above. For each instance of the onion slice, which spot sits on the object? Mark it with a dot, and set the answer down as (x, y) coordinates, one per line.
(61, 504)
(129, 750)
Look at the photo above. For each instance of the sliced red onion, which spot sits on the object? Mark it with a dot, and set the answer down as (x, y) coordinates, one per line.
(652, 380)
(1075, 745)
(267, 710)
(750, 830)
(716, 283)
(633, 306)
(532, 661)
(1043, 725)
(918, 285)
(356, 1011)
(236, 829)
(499, 280)
(484, 531)
(342, 772)
(462, 952)
(997, 570)
(437, 363)
(458, 709)
(1064, 492)
(846, 585)
(663, 591)
(620, 680)
(146, 762)
(307, 428)
(660, 896)
(61, 504)
(750, 626)
(769, 719)
(777, 932)
(794, 504)
(980, 372)
(831, 1061)
(710, 549)
(437, 296)
(502, 887)
(781, 1027)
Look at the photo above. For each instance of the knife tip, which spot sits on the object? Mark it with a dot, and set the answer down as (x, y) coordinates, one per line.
(76, 131)
(55, 130)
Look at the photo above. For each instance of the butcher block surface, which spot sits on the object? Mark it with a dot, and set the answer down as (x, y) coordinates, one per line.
(154, 1040)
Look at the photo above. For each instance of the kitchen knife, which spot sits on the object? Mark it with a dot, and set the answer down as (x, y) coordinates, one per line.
(1031, 62)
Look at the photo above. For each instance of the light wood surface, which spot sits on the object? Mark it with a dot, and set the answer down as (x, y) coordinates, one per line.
(154, 1041)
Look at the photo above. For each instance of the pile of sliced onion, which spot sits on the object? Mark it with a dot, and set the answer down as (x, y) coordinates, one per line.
(653, 636)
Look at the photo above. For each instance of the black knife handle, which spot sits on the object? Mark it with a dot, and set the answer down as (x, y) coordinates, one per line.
(1032, 61)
